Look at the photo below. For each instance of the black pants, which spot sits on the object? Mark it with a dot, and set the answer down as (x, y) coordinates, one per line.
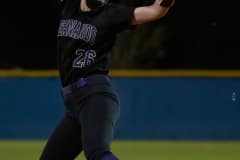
(87, 126)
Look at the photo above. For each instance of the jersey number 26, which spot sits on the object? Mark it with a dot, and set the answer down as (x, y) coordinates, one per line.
(84, 58)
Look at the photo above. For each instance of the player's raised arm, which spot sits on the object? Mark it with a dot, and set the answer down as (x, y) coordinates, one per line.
(153, 12)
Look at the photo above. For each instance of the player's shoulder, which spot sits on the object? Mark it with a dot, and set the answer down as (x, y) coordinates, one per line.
(117, 5)
(117, 9)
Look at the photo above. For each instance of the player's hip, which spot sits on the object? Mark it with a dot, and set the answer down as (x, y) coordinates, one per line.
(83, 88)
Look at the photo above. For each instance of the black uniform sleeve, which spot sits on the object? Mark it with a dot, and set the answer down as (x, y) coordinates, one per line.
(120, 16)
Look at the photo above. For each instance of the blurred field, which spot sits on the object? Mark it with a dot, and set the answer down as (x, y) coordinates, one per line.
(136, 150)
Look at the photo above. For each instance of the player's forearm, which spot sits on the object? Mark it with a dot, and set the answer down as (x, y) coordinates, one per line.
(148, 13)
(153, 12)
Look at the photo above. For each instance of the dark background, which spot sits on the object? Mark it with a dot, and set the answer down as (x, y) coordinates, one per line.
(184, 39)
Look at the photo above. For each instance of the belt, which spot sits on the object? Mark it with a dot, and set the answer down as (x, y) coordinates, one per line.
(82, 82)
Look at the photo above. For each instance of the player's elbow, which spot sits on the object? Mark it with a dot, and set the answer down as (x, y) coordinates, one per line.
(158, 11)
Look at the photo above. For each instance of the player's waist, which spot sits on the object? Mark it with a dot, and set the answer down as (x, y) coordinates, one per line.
(84, 82)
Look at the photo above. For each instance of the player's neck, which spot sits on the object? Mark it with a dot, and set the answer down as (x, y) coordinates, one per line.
(84, 7)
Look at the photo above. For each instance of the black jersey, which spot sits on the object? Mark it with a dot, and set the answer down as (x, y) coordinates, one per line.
(85, 38)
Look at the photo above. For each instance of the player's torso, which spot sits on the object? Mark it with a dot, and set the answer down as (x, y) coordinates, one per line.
(84, 40)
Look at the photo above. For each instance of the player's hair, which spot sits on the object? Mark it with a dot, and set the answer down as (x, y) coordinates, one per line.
(94, 4)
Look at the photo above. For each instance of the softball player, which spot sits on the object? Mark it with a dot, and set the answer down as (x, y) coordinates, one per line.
(87, 31)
